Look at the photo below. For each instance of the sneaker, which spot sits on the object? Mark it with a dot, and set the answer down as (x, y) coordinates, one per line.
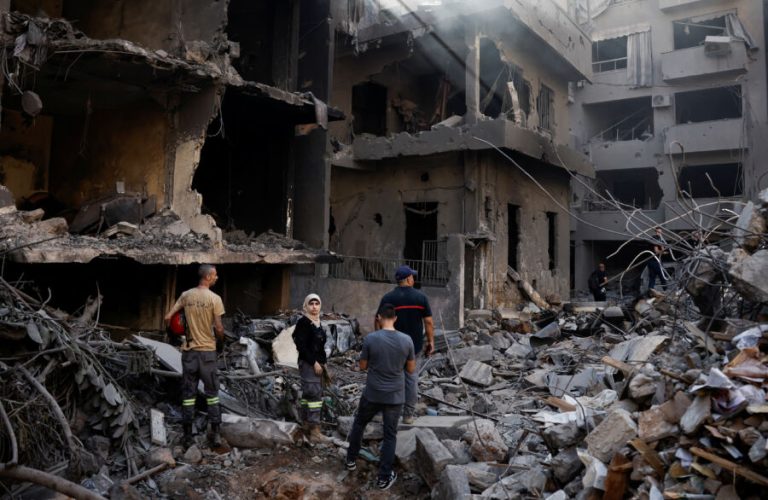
(350, 464)
(409, 419)
(384, 484)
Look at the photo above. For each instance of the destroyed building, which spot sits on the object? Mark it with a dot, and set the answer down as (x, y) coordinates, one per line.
(675, 117)
(454, 152)
(155, 135)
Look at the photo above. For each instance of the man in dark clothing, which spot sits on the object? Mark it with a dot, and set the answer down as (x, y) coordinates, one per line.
(597, 282)
(387, 355)
(654, 264)
(414, 318)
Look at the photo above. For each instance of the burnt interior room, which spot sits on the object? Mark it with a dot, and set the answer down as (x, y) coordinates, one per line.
(712, 181)
(632, 187)
(689, 33)
(245, 163)
(252, 25)
(624, 120)
(708, 104)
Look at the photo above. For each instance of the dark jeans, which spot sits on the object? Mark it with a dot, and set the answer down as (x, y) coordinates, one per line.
(599, 294)
(199, 365)
(311, 394)
(365, 412)
(654, 270)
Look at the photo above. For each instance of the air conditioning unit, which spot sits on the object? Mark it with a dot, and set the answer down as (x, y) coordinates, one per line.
(661, 101)
(717, 46)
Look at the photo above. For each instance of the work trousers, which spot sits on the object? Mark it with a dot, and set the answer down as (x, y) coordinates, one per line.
(196, 366)
(365, 413)
(412, 388)
(311, 393)
(654, 271)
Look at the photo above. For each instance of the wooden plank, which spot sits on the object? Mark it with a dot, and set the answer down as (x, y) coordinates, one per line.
(627, 369)
(560, 404)
(733, 467)
(649, 455)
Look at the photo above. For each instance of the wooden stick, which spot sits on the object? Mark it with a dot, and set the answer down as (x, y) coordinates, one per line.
(560, 404)
(55, 483)
(733, 467)
(55, 408)
(619, 365)
(649, 455)
(9, 428)
(146, 474)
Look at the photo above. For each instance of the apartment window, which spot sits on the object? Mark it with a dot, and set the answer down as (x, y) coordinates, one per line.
(513, 235)
(610, 54)
(546, 106)
(689, 33)
(369, 108)
(552, 239)
(707, 105)
(420, 226)
(712, 181)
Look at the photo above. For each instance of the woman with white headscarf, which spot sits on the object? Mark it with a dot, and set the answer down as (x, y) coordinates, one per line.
(309, 338)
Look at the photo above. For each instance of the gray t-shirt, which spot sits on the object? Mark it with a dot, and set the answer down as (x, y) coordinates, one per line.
(387, 352)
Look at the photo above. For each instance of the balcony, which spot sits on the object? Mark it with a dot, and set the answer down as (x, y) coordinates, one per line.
(624, 154)
(708, 212)
(694, 63)
(611, 222)
(703, 137)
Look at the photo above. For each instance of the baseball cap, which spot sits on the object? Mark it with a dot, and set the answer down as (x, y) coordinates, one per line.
(403, 272)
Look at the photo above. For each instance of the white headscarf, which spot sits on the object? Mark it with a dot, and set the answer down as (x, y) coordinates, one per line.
(314, 319)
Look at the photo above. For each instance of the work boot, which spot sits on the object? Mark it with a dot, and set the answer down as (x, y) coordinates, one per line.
(188, 439)
(215, 435)
(316, 436)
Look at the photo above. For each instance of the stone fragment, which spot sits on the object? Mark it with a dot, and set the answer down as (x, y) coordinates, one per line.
(284, 350)
(750, 276)
(558, 495)
(482, 475)
(499, 341)
(453, 484)
(611, 435)
(563, 435)
(480, 353)
(749, 228)
(477, 373)
(757, 451)
(459, 450)
(444, 427)
(405, 448)
(485, 441)
(675, 408)
(160, 456)
(749, 435)
(193, 455)
(566, 465)
(479, 314)
(641, 386)
(696, 415)
(431, 456)
(652, 425)
(53, 226)
(245, 432)
(518, 350)
(32, 215)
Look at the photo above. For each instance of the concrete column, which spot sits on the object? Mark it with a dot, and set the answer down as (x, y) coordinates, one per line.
(472, 74)
(584, 264)
(454, 318)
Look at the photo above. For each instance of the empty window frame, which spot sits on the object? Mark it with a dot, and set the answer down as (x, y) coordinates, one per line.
(513, 235)
(546, 106)
(690, 33)
(610, 54)
(709, 104)
(712, 181)
(552, 239)
(369, 108)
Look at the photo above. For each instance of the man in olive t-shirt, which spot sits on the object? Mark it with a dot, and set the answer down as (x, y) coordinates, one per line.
(203, 310)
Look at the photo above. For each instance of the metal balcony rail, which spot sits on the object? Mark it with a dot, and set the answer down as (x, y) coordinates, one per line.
(633, 126)
(382, 270)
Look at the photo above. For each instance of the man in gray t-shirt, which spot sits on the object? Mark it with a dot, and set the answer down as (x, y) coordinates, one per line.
(386, 353)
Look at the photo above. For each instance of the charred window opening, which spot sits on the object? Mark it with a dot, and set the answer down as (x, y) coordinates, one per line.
(711, 181)
(243, 167)
(610, 54)
(251, 24)
(632, 187)
(624, 120)
(546, 107)
(493, 79)
(369, 108)
(709, 104)
(513, 235)
(690, 33)
(420, 226)
(552, 240)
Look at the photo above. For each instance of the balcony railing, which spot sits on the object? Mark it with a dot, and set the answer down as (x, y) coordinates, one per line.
(378, 270)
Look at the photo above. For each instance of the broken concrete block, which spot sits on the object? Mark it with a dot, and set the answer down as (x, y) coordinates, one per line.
(459, 450)
(157, 427)
(652, 425)
(758, 451)
(518, 350)
(499, 341)
(193, 455)
(55, 226)
(479, 314)
(284, 350)
(566, 465)
(749, 228)
(696, 415)
(476, 352)
(485, 441)
(374, 430)
(160, 456)
(405, 449)
(558, 495)
(477, 373)
(32, 215)
(641, 386)
(611, 435)
(444, 427)
(675, 408)
(453, 484)
(245, 432)
(431, 456)
(546, 336)
(563, 435)
(594, 476)
(750, 276)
